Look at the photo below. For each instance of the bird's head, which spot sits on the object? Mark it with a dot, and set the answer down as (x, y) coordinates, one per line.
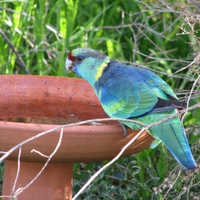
(86, 63)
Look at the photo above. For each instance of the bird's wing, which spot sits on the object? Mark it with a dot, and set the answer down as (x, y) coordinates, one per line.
(161, 88)
(133, 94)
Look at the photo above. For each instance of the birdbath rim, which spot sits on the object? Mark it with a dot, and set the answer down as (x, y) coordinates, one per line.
(70, 99)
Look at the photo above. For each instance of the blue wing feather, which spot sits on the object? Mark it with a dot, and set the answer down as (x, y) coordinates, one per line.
(133, 91)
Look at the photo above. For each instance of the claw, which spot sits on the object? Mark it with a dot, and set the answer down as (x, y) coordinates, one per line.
(124, 129)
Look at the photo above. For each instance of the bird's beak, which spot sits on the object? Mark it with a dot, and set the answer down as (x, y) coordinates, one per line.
(69, 65)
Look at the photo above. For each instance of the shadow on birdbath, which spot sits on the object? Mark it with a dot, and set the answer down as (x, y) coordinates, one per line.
(43, 103)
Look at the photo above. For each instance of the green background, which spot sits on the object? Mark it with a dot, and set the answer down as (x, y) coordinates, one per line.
(160, 35)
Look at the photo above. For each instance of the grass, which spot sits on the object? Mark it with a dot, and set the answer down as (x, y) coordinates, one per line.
(35, 36)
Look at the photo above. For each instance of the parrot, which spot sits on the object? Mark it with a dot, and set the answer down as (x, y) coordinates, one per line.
(130, 92)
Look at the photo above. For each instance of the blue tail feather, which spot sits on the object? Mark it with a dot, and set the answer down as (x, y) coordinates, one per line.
(173, 136)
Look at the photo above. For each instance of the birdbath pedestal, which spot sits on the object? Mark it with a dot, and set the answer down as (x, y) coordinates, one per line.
(42, 103)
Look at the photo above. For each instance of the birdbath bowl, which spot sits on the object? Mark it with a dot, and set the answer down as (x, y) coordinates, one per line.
(30, 105)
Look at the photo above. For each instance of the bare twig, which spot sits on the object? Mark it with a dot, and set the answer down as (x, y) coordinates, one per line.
(20, 190)
(38, 152)
(19, 58)
(196, 4)
(179, 172)
(155, 58)
(58, 128)
(122, 151)
(94, 120)
(195, 61)
(14, 11)
(109, 163)
(190, 95)
(18, 171)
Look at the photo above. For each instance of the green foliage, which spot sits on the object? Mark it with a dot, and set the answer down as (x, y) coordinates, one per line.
(36, 34)
(138, 177)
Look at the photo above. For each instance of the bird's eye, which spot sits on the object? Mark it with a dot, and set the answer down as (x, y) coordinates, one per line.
(79, 58)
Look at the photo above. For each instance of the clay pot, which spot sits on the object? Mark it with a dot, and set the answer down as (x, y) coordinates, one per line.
(41, 103)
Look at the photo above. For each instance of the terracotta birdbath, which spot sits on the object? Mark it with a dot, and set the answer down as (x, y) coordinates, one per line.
(40, 104)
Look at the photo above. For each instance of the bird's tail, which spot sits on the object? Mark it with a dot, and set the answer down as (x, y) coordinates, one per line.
(172, 134)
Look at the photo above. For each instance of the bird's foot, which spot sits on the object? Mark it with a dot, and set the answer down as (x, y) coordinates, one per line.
(124, 129)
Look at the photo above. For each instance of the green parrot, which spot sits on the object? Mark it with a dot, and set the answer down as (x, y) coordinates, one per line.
(130, 92)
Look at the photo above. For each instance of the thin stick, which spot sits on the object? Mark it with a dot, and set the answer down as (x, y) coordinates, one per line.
(6, 154)
(19, 58)
(20, 190)
(18, 171)
(109, 163)
(190, 95)
(116, 157)
(90, 121)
